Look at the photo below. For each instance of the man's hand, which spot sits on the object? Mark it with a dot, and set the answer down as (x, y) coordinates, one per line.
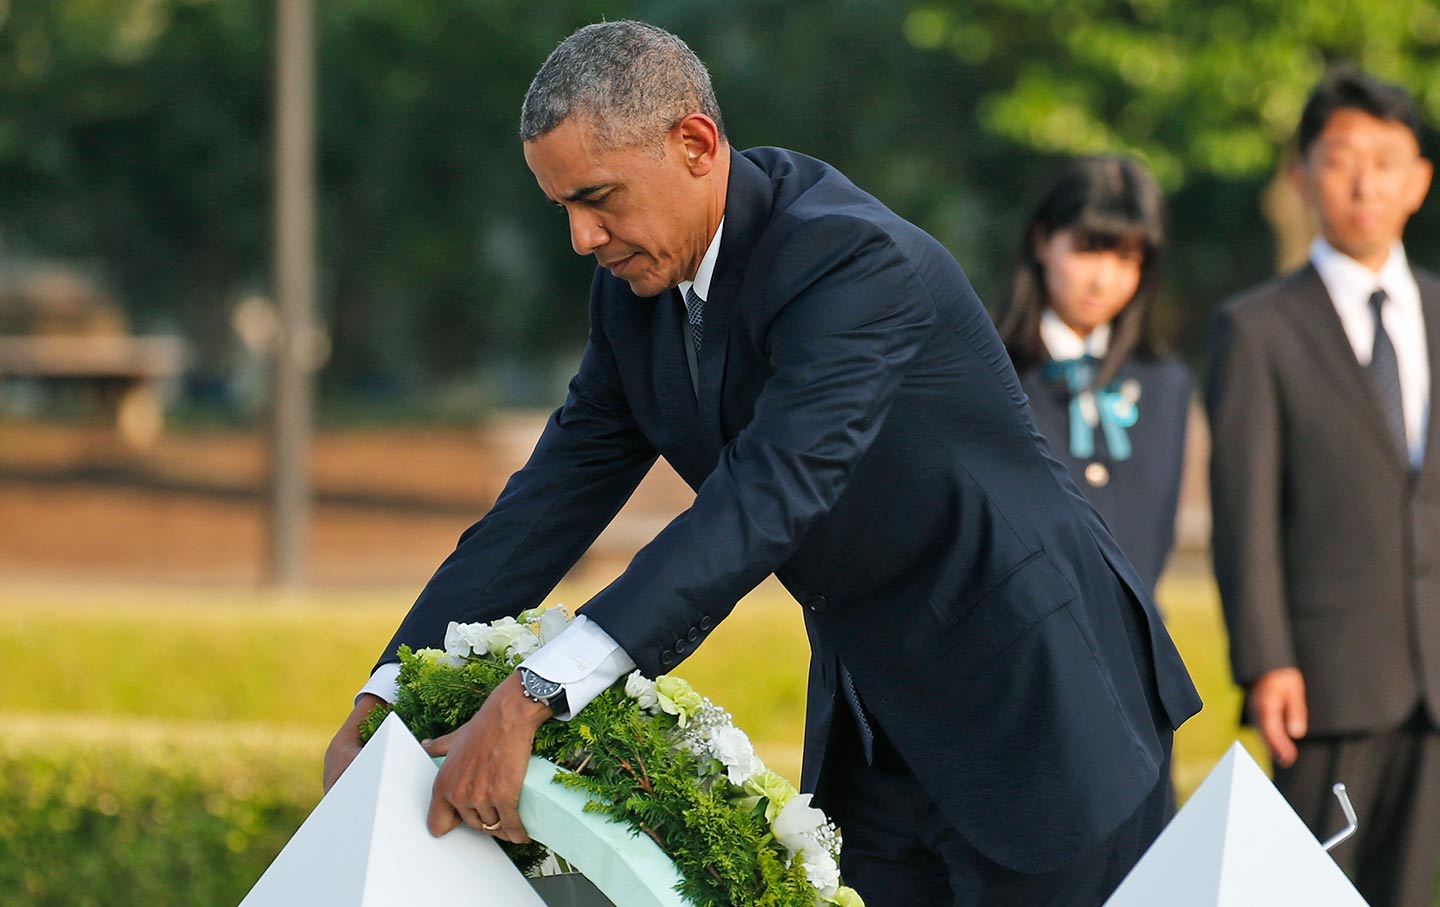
(1276, 705)
(485, 762)
(345, 745)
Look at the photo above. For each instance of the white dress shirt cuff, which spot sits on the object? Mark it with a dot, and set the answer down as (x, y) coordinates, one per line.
(385, 683)
(585, 659)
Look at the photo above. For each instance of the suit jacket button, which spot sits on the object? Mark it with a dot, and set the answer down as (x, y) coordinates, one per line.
(693, 635)
(667, 657)
(706, 623)
(816, 603)
(1097, 475)
(680, 647)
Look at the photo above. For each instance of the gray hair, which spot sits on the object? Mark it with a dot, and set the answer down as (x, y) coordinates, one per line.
(634, 82)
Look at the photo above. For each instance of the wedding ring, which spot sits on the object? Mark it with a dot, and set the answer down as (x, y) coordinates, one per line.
(490, 826)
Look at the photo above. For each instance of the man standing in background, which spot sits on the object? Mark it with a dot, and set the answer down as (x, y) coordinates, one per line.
(1326, 496)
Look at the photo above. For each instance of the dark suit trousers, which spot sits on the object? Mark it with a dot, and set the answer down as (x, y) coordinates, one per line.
(900, 851)
(1393, 779)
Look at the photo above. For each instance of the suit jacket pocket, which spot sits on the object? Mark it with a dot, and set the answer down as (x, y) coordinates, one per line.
(998, 608)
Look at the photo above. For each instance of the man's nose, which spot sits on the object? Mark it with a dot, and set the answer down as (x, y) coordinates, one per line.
(586, 233)
(1365, 182)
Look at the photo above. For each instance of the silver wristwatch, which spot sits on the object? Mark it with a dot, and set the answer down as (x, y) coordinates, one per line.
(546, 692)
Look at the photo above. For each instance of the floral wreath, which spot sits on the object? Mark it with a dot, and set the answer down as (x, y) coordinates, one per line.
(652, 754)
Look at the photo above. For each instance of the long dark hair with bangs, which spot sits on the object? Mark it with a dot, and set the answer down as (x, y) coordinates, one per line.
(1110, 202)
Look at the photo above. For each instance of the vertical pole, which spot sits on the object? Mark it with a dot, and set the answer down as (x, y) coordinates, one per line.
(294, 263)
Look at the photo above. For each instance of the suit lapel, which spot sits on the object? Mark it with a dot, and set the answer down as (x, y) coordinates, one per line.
(1314, 316)
(748, 201)
(671, 371)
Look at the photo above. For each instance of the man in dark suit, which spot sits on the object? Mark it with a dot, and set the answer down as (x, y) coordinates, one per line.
(1326, 485)
(992, 694)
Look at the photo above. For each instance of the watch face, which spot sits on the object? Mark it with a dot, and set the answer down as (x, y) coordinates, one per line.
(539, 687)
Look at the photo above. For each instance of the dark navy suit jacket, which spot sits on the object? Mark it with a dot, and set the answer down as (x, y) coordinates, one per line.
(1137, 496)
(860, 433)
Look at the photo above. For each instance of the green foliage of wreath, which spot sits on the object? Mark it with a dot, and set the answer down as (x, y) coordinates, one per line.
(636, 766)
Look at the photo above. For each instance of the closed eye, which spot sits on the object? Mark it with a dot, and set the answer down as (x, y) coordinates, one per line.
(599, 199)
(591, 194)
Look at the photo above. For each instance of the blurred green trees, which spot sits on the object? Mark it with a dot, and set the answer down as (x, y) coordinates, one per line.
(1207, 94)
(134, 139)
(1211, 88)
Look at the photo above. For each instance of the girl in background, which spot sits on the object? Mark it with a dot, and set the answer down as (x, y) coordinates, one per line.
(1112, 407)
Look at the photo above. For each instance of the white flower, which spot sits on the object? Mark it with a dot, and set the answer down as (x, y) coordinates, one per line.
(454, 645)
(553, 622)
(820, 868)
(479, 636)
(522, 645)
(734, 750)
(796, 825)
(503, 633)
(641, 689)
(505, 636)
(462, 639)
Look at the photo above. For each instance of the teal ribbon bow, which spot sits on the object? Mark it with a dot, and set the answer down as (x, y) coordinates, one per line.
(1113, 410)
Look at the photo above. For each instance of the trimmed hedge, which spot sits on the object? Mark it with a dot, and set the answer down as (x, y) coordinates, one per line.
(96, 812)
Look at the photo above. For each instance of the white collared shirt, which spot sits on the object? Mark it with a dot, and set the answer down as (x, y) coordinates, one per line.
(701, 283)
(1350, 284)
(583, 657)
(1062, 343)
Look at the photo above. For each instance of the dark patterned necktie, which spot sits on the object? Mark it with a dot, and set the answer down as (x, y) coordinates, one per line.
(862, 719)
(1384, 373)
(695, 311)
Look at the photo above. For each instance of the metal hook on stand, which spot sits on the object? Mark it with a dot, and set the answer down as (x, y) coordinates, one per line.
(1351, 823)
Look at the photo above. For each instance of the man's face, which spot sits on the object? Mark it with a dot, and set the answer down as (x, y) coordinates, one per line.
(1363, 177)
(640, 212)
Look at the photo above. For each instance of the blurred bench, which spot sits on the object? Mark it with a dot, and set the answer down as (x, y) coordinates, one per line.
(127, 373)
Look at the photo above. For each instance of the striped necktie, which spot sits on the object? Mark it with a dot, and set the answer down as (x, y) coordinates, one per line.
(1384, 371)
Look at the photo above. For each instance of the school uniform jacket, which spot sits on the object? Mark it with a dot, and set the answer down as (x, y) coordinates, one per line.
(1137, 496)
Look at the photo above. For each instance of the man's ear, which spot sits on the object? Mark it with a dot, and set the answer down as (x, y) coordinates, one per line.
(700, 140)
(1299, 176)
(1420, 183)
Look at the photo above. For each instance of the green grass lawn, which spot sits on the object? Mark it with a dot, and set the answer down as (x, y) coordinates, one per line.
(1191, 605)
(295, 662)
(197, 657)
